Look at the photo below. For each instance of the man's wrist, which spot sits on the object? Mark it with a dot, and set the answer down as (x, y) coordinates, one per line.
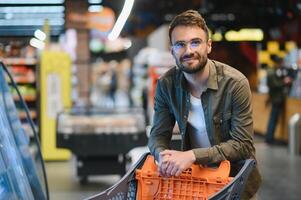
(193, 158)
(201, 155)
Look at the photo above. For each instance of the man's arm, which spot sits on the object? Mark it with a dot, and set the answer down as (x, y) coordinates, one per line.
(240, 145)
(163, 123)
(170, 162)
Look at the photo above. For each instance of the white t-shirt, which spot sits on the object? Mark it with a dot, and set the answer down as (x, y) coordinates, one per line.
(196, 126)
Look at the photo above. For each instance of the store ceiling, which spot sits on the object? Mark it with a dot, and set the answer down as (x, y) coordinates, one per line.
(23, 17)
(219, 14)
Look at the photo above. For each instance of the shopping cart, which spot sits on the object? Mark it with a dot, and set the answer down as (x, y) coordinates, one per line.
(142, 183)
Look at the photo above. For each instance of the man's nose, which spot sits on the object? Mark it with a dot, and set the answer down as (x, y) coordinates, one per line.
(188, 48)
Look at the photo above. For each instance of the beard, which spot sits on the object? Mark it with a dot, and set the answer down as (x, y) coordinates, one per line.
(192, 69)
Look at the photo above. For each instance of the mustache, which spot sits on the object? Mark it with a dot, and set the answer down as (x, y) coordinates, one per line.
(187, 56)
(190, 55)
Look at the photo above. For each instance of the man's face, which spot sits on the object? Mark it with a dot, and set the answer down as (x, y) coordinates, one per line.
(190, 48)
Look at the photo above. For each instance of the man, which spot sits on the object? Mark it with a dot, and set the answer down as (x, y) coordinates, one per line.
(210, 101)
(278, 82)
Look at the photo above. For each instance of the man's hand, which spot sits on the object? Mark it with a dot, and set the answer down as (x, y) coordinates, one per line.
(173, 163)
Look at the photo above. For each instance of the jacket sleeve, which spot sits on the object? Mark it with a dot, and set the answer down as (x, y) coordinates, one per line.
(240, 144)
(163, 122)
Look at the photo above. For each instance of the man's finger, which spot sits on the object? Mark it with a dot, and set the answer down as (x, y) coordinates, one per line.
(178, 173)
(167, 151)
(169, 169)
(162, 168)
(174, 171)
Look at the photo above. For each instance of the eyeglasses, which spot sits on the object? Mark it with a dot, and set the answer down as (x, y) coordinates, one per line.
(180, 47)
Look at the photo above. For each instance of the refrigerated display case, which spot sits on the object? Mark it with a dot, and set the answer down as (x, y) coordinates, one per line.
(101, 138)
(19, 166)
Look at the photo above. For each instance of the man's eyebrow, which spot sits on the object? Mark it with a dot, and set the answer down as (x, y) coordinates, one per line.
(179, 41)
(197, 38)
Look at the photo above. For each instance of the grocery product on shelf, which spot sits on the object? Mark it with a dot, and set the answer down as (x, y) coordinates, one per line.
(22, 64)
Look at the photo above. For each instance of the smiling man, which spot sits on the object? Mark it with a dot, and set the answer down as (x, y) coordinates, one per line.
(210, 101)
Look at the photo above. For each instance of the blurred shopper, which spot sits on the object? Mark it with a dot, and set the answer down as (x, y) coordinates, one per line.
(278, 83)
(210, 101)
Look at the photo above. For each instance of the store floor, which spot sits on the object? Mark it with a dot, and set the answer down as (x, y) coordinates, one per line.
(281, 176)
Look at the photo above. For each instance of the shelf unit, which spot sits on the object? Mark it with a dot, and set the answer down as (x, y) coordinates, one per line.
(24, 73)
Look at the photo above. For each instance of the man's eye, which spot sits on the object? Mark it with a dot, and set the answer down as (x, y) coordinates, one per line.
(179, 45)
(195, 43)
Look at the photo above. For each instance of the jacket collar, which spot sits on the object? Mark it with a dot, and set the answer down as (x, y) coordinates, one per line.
(213, 78)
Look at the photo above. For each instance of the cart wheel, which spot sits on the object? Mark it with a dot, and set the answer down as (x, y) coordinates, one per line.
(83, 180)
(132, 190)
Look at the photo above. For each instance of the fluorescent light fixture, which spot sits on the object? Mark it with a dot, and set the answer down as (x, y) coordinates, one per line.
(40, 35)
(22, 16)
(32, 9)
(217, 36)
(95, 1)
(94, 8)
(245, 34)
(31, 22)
(8, 15)
(126, 10)
(32, 1)
(37, 43)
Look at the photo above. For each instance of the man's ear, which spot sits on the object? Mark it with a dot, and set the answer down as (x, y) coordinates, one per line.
(209, 46)
(172, 52)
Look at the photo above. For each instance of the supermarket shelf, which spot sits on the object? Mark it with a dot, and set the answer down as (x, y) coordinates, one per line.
(26, 98)
(33, 114)
(24, 73)
(20, 61)
(24, 81)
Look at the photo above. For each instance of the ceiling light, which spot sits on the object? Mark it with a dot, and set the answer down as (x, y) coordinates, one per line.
(32, 9)
(95, 1)
(126, 10)
(9, 16)
(94, 8)
(245, 34)
(37, 43)
(31, 22)
(40, 35)
(22, 16)
(32, 1)
(217, 36)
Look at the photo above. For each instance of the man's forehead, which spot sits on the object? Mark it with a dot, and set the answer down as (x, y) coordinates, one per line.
(186, 33)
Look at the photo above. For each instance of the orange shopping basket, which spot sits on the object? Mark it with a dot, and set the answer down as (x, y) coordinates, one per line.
(142, 182)
(197, 182)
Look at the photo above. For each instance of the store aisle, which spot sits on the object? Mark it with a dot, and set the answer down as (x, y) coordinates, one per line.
(281, 177)
(64, 185)
(281, 173)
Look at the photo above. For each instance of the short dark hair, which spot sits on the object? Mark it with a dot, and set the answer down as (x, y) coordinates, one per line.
(188, 18)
